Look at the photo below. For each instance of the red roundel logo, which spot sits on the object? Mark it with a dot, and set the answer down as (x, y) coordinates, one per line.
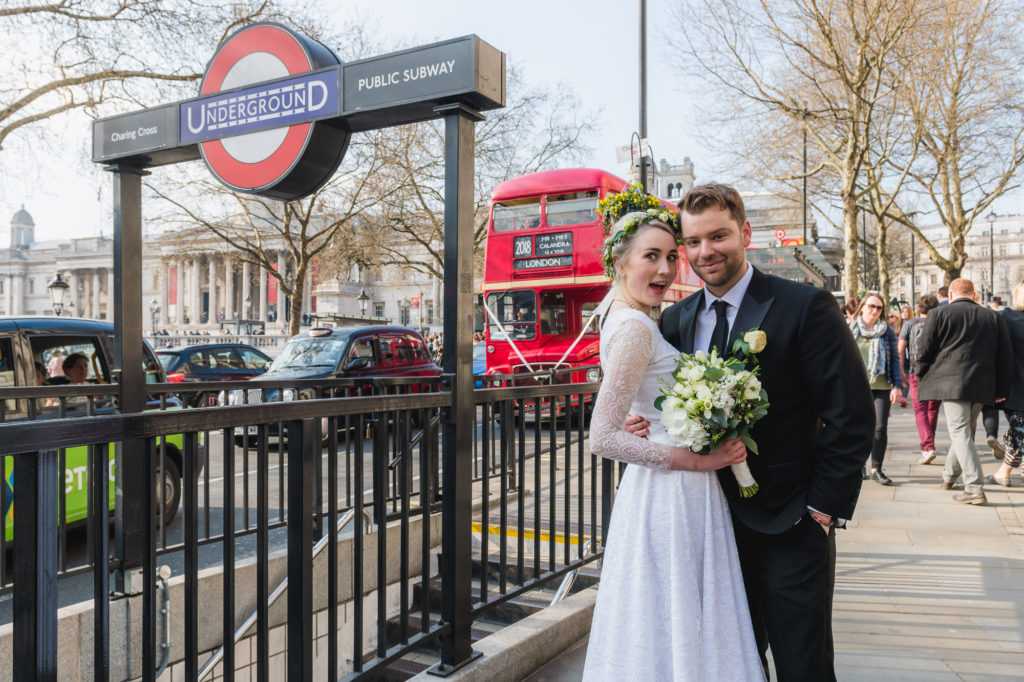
(266, 75)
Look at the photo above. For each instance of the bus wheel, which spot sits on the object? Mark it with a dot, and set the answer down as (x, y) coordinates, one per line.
(168, 491)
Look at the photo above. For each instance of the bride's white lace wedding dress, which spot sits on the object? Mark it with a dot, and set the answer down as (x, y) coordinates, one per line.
(671, 604)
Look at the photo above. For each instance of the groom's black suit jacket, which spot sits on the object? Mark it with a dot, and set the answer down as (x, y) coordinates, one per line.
(818, 431)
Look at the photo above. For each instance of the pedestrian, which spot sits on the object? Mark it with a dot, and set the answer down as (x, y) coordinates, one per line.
(879, 351)
(926, 412)
(943, 295)
(850, 309)
(964, 359)
(1013, 406)
(54, 366)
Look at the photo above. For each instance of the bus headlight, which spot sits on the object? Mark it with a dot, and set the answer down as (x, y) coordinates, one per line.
(287, 394)
(593, 374)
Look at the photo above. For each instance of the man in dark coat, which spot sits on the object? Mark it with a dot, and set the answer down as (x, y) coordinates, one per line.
(813, 442)
(964, 359)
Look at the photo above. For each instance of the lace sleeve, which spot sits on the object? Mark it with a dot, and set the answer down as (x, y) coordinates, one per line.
(626, 356)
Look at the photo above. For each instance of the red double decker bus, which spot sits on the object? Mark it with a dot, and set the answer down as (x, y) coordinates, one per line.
(543, 277)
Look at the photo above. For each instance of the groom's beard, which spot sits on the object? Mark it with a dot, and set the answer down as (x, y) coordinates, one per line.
(720, 270)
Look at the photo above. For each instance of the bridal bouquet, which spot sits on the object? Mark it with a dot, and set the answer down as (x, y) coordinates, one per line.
(714, 399)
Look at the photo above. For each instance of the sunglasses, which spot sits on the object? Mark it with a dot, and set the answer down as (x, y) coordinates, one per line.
(871, 306)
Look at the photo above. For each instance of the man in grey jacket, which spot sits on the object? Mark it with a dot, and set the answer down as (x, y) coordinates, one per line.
(964, 359)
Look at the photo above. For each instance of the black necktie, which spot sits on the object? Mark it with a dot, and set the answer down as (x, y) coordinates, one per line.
(720, 336)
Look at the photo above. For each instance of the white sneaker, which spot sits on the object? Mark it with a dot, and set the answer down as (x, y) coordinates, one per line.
(926, 456)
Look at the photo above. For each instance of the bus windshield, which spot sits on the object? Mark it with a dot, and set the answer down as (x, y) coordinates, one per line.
(518, 214)
(517, 312)
(575, 208)
(552, 313)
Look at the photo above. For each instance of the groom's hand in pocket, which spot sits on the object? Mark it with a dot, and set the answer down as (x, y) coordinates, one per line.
(637, 425)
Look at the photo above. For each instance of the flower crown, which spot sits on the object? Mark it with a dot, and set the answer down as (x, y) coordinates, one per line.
(622, 215)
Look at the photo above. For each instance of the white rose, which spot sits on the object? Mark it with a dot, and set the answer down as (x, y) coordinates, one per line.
(752, 389)
(703, 393)
(756, 339)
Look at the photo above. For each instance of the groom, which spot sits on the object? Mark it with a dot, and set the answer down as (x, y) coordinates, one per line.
(813, 442)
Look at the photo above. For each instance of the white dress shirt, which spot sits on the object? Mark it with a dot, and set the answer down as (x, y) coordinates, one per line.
(706, 317)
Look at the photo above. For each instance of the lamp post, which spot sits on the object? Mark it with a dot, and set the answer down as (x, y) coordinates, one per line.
(154, 310)
(58, 289)
(991, 255)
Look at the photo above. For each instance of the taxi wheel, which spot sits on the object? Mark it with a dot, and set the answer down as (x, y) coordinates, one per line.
(168, 491)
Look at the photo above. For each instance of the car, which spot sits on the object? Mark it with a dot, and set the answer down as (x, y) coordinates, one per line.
(30, 344)
(479, 361)
(335, 353)
(211, 362)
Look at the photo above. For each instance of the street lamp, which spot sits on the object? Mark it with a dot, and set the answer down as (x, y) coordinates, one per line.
(991, 255)
(154, 310)
(364, 299)
(58, 289)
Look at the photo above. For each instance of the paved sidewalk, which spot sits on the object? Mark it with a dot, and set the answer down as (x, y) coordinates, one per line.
(926, 589)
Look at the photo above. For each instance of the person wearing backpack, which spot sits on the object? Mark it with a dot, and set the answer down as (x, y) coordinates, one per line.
(926, 412)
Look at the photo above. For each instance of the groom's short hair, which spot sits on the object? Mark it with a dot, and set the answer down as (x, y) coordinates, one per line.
(724, 197)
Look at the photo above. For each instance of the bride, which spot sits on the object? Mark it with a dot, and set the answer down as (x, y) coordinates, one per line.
(671, 603)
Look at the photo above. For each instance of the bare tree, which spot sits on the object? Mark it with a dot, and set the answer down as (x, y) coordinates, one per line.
(964, 93)
(824, 66)
(539, 129)
(259, 228)
(67, 55)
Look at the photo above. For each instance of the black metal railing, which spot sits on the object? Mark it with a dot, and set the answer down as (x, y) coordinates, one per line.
(250, 472)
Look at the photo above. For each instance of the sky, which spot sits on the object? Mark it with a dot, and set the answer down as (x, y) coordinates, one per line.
(588, 46)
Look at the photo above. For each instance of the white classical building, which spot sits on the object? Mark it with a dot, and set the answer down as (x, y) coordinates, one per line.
(995, 260)
(198, 283)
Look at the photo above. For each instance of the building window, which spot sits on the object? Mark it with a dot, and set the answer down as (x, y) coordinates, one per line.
(403, 314)
(984, 251)
(378, 310)
(430, 311)
(932, 278)
(917, 280)
(1, 286)
(1002, 249)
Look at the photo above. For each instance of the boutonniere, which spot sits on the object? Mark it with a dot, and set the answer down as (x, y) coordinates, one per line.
(750, 344)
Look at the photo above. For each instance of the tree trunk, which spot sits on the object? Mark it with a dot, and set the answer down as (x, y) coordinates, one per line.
(295, 303)
(850, 245)
(881, 245)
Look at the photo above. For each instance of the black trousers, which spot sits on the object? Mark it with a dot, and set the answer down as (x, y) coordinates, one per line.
(790, 580)
(881, 441)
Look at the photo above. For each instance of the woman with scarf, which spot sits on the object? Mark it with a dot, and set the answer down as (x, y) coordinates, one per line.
(877, 343)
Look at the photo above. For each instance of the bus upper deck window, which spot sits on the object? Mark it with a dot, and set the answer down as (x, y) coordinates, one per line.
(574, 208)
(517, 214)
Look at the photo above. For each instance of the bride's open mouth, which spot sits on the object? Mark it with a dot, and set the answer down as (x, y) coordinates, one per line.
(658, 288)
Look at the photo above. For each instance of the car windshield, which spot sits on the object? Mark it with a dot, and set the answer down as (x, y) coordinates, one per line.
(302, 353)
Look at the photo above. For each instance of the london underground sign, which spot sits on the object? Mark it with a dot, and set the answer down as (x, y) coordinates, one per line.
(275, 109)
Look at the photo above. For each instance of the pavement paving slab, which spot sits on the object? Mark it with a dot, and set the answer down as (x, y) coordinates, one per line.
(926, 589)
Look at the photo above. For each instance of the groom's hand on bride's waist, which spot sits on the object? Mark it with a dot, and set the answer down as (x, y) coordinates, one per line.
(637, 425)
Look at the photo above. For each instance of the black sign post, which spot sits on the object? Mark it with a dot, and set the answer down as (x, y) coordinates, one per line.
(453, 80)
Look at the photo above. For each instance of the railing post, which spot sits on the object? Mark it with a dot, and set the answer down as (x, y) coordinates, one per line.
(35, 566)
(130, 514)
(457, 362)
(302, 449)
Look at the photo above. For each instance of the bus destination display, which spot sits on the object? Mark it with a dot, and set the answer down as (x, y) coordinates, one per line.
(547, 250)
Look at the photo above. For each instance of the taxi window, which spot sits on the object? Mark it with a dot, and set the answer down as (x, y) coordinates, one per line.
(253, 360)
(53, 349)
(7, 372)
(362, 348)
(417, 349)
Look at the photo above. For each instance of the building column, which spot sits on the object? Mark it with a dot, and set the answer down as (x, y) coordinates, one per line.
(229, 287)
(196, 308)
(282, 269)
(263, 294)
(165, 295)
(179, 290)
(94, 294)
(246, 290)
(72, 296)
(17, 295)
(211, 317)
(110, 294)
